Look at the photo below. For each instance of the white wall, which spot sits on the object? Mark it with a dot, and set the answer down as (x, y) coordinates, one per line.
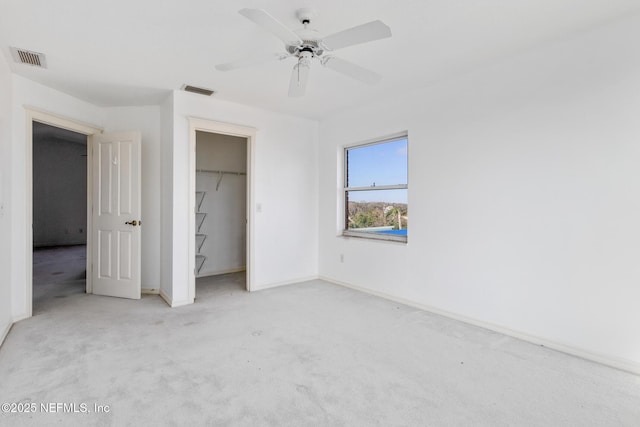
(221, 152)
(224, 202)
(285, 185)
(27, 93)
(5, 198)
(524, 183)
(166, 200)
(145, 119)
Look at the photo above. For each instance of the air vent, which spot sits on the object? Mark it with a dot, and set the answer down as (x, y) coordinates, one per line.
(198, 90)
(22, 56)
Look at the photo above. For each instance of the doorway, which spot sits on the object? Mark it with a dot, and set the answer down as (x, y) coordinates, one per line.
(34, 116)
(113, 182)
(221, 194)
(221, 206)
(59, 208)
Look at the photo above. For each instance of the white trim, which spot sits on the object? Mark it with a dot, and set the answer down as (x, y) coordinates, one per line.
(4, 334)
(367, 235)
(89, 229)
(150, 291)
(52, 119)
(37, 115)
(180, 303)
(20, 317)
(376, 141)
(172, 303)
(378, 187)
(285, 283)
(165, 297)
(622, 364)
(203, 125)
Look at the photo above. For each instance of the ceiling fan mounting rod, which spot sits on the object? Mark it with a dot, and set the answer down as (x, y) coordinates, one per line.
(305, 15)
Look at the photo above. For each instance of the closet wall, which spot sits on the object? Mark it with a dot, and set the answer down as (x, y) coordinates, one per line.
(59, 187)
(221, 183)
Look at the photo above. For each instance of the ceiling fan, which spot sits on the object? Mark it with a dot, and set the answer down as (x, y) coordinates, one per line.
(306, 44)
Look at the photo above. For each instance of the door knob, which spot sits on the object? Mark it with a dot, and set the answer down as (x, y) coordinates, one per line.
(134, 222)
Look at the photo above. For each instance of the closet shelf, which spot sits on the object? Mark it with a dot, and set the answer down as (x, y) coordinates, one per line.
(199, 199)
(200, 259)
(200, 217)
(200, 238)
(220, 172)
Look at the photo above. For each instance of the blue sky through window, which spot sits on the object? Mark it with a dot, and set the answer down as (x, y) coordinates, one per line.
(378, 164)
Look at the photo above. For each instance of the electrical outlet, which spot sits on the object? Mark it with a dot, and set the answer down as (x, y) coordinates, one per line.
(341, 257)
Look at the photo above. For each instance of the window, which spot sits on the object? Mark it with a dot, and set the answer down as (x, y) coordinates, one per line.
(375, 189)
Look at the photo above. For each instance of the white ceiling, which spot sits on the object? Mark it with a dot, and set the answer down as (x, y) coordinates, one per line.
(133, 52)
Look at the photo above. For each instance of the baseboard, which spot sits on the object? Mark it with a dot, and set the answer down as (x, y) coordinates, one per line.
(20, 317)
(171, 302)
(150, 291)
(622, 364)
(165, 297)
(287, 282)
(180, 303)
(5, 332)
(219, 272)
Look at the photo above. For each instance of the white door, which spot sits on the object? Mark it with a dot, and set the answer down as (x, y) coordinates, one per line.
(116, 214)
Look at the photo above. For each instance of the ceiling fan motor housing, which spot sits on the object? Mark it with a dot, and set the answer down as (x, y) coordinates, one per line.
(310, 46)
(310, 42)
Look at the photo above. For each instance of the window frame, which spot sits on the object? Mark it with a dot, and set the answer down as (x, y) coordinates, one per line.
(346, 232)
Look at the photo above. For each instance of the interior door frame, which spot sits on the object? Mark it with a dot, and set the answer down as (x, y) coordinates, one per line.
(40, 116)
(210, 126)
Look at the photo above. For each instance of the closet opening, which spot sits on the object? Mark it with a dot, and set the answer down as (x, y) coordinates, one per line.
(220, 217)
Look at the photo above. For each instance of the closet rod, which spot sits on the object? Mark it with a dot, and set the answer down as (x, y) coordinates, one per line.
(222, 172)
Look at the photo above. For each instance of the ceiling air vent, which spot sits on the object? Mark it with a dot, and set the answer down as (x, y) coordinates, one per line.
(22, 56)
(198, 90)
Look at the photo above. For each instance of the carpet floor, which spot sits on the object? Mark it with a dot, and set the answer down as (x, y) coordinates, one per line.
(308, 354)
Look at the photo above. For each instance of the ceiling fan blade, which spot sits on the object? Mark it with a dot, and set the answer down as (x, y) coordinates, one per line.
(371, 31)
(352, 70)
(298, 82)
(271, 24)
(250, 60)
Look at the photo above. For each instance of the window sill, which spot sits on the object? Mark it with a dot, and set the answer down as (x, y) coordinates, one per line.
(374, 236)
